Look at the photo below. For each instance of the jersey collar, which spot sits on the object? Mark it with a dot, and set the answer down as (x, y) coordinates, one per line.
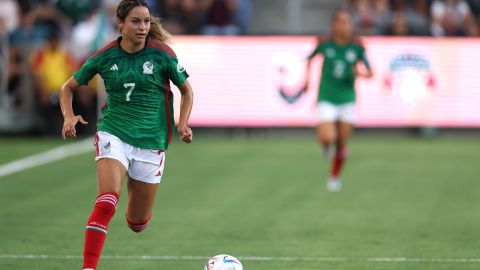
(119, 39)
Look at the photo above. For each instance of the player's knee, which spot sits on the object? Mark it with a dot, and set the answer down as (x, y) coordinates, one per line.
(326, 140)
(138, 225)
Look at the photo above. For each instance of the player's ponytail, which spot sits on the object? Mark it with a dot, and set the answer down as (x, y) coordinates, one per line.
(156, 29)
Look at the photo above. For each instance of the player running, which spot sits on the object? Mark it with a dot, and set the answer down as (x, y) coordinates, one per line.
(138, 121)
(341, 52)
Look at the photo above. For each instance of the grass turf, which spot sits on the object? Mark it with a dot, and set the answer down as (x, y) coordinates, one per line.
(402, 197)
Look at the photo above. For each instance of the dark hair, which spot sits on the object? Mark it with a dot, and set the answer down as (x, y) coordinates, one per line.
(156, 29)
(338, 11)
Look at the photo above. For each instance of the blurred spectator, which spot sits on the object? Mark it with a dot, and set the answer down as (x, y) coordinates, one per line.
(35, 19)
(242, 17)
(399, 25)
(382, 16)
(35, 24)
(219, 17)
(9, 12)
(51, 67)
(451, 18)
(363, 16)
(418, 17)
(181, 17)
(77, 10)
(93, 33)
(192, 17)
(172, 16)
(415, 14)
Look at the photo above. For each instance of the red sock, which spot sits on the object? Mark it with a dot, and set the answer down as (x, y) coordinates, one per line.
(138, 227)
(97, 228)
(337, 162)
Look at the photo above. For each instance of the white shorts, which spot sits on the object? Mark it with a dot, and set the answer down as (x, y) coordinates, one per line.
(329, 112)
(144, 165)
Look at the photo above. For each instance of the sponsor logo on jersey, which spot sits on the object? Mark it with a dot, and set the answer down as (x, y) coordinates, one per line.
(114, 67)
(180, 68)
(148, 68)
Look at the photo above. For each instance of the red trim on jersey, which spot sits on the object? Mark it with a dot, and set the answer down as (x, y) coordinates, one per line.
(104, 105)
(164, 49)
(167, 108)
(108, 46)
(161, 162)
(161, 46)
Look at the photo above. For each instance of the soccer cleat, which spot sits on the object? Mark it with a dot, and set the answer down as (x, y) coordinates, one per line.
(334, 184)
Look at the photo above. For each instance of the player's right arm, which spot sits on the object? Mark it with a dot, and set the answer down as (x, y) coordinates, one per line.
(81, 77)
(318, 50)
(70, 120)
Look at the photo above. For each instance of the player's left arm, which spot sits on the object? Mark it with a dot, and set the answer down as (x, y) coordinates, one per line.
(318, 50)
(186, 104)
(367, 73)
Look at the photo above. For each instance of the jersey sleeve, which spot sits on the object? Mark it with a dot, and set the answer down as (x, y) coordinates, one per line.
(176, 72)
(363, 57)
(318, 50)
(86, 71)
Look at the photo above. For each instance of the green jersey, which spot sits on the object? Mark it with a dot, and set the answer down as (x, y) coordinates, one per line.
(139, 107)
(338, 77)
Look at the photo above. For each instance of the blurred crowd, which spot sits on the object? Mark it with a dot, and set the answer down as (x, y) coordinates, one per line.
(439, 18)
(43, 41)
(46, 40)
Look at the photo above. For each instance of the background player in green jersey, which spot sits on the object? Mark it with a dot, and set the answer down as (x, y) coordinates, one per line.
(138, 121)
(341, 52)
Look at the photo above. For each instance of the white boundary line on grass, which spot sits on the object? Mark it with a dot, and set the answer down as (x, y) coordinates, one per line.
(246, 258)
(46, 157)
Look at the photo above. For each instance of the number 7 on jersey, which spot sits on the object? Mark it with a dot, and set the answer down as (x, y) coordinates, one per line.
(130, 87)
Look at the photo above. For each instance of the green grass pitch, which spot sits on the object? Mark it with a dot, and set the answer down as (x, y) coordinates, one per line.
(403, 197)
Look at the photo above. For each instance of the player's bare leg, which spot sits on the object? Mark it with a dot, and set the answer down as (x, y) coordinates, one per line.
(327, 137)
(344, 131)
(110, 173)
(141, 197)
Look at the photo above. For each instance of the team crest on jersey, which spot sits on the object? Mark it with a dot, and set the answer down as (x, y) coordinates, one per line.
(330, 53)
(351, 56)
(148, 68)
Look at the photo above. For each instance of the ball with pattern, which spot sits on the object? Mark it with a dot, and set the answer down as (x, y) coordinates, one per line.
(223, 262)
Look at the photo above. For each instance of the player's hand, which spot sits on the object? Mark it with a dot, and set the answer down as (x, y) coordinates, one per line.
(305, 87)
(369, 74)
(185, 132)
(69, 123)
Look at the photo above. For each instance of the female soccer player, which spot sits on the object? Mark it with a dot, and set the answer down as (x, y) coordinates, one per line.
(336, 100)
(137, 125)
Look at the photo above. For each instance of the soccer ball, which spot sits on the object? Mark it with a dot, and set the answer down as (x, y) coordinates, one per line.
(223, 262)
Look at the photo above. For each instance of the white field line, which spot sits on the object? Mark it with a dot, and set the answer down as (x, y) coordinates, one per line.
(246, 258)
(46, 157)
